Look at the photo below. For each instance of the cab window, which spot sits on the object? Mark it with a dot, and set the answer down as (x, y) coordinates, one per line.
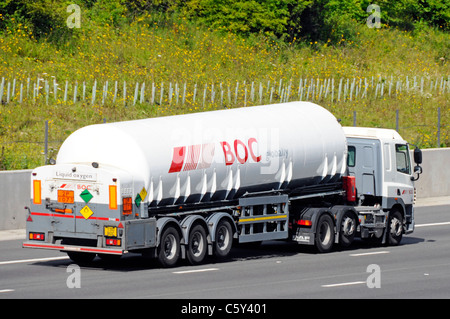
(351, 157)
(402, 158)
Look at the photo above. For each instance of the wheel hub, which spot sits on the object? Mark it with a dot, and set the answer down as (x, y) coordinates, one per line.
(396, 227)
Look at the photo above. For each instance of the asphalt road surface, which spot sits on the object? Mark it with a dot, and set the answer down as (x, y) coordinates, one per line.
(418, 268)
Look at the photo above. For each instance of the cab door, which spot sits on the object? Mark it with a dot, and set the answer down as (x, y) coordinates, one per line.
(404, 185)
(363, 162)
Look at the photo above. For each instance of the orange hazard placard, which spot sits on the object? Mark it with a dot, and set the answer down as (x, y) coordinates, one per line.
(65, 196)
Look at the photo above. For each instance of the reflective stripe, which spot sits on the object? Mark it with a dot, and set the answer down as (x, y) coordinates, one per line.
(74, 248)
(252, 219)
(71, 216)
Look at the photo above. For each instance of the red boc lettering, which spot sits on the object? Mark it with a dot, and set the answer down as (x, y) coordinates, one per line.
(252, 154)
(241, 151)
(229, 157)
(240, 159)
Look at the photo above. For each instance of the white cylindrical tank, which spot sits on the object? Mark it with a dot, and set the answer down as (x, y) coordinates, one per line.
(220, 154)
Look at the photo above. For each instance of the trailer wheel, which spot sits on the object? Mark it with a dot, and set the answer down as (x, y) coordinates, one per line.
(109, 258)
(81, 258)
(224, 239)
(348, 229)
(395, 228)
(169, 247)
(324, 233)
(197, 245)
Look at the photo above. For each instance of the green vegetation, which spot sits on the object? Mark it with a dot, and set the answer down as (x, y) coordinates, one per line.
(216, 42)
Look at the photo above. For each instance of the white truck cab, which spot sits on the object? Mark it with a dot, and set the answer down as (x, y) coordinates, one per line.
(380, 161)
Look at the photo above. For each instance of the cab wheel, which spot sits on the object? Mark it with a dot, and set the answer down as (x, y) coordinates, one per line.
(324, 234)
(395, 228)
(348, 229)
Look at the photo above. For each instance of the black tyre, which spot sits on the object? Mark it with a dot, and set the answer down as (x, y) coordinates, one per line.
(223, 239)
(395, 228)
(81, 258)
(324, 233)
(197, 245)
(347, 230)
(169, 247)
(109, 257)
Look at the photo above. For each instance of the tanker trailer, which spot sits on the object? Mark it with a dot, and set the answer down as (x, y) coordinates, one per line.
(189, 185)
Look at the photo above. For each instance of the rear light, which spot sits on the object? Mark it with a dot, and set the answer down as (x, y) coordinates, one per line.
(127, 206)
(113, 242)
(36, 236)
(304, 222)
(37, 192)
(112, 197)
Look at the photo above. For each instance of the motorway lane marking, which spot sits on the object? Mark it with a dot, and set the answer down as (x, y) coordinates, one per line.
(194, 271)
(372, 253)
(198, 270)
(433, 224)
(9, 262)
(344, 284)
(6, 290)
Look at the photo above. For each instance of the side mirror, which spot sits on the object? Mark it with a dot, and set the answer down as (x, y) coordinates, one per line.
(418, 161)
(418, 156)
(417, 170)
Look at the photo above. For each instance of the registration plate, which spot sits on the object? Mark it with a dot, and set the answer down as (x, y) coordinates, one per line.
(65, 196)
(110, 231)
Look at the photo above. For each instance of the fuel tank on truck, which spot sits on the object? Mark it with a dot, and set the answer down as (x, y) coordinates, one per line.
(217, 155)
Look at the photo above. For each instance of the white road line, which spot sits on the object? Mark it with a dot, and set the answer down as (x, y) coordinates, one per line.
(433, 224)
(194, 271)
(344, 284)
(6, 290)
(9, 262)
(372, 253)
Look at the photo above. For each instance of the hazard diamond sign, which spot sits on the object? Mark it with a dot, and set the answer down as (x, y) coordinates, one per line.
(86, 196)
(86, 212)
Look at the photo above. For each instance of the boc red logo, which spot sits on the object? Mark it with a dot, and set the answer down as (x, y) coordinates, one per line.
(200, 156)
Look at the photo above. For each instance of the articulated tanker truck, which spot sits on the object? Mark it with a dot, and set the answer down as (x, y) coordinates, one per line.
(189, 186)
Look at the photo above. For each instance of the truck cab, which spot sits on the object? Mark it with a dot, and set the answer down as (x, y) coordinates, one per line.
(384, 175)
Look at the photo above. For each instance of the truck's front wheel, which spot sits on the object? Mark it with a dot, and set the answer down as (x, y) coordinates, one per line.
(395, 228)
(169, 247)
